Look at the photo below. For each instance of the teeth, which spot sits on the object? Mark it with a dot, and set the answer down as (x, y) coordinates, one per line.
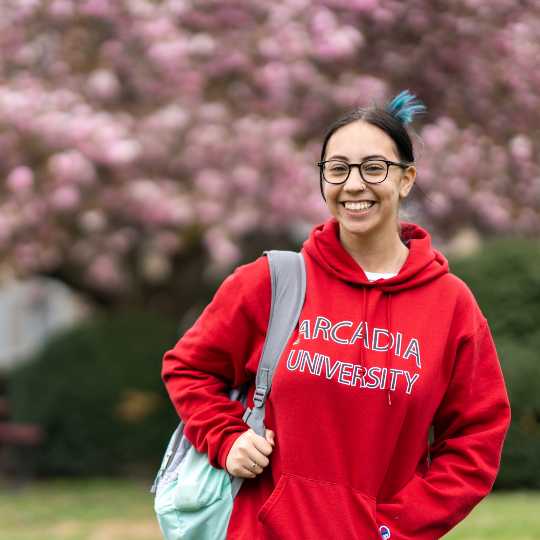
(364, 205)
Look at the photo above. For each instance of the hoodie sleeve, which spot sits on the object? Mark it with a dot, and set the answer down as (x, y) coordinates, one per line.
(470, 426)
(211, 358)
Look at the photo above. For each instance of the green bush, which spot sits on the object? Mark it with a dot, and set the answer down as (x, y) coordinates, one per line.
(505, 278)
(97, 392)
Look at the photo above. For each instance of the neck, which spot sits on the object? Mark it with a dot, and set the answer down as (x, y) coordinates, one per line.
(382, 251)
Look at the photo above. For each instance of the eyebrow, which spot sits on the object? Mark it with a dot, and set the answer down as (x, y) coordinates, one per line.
(366, 157)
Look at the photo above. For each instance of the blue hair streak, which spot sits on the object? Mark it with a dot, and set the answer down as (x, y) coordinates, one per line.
(404, 106)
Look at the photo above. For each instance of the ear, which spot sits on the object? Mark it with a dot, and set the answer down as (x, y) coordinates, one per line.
(406, 181)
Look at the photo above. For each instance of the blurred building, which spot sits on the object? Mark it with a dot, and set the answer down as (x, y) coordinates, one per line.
(30, 311)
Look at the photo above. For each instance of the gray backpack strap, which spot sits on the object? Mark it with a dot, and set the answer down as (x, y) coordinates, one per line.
(288, 280)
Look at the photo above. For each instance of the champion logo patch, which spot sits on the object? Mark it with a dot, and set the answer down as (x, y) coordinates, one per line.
(385, 532)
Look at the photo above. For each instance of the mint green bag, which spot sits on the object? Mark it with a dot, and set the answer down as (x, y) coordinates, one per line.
(197, 503)
(193, 500)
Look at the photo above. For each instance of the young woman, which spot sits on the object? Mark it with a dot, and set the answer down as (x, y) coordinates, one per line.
(389, 343)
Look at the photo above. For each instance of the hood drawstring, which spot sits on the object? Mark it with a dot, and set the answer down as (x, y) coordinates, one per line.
(364, 309)
(389, 360)
(388, 352)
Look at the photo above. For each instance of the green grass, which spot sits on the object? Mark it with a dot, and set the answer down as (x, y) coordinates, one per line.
(502, 516)
(122, 510)
(77, 510)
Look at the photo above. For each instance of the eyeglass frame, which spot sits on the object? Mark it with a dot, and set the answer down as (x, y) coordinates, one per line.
(359, 165)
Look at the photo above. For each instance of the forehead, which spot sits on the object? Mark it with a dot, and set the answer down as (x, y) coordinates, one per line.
(359, 139)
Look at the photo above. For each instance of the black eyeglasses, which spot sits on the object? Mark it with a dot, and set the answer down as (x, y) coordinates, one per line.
(372, 171)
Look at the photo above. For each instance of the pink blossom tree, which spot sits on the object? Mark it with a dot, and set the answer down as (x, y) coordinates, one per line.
(138, 135)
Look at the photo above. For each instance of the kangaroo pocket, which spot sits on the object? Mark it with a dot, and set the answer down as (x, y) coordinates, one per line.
(301, 507)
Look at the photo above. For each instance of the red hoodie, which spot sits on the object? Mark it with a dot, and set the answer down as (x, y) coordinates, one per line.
(368, 369)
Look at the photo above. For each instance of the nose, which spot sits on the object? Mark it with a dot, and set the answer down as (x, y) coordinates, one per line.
(355, 180)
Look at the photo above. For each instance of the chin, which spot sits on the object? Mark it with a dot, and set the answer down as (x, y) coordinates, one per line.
(357, 229)
(365, 227)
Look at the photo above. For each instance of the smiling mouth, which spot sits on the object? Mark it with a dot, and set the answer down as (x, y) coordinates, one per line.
(358, 205)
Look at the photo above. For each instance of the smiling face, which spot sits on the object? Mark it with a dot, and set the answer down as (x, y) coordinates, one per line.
(353, 143)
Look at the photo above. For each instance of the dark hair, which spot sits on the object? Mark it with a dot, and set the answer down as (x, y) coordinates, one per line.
(391, 119)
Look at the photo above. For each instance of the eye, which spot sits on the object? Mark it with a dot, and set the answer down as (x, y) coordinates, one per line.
(374, 168)
(336, 167)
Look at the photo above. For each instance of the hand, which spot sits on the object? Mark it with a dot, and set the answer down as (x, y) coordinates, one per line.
(248, 449)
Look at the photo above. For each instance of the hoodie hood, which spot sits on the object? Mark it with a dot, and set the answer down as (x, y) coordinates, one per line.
(423, 264)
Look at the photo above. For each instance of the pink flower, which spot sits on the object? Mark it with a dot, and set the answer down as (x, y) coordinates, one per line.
(246, 178)
(169, 118)
(155, 28)
(436, 136)
(528, 221)
(208, 211)
(155, 267)
(211, 182)
(180, 211)
(34, 212)
(123, 152)
(521, 147)
(168, 242)
(93, 221)
(222, 250)
(65, 198)
(169, 55)
(202, 44)
(354, 5)
(71, 167)
(438, 204)
(458, 187)
(61, 9)
(20, 179)
(121, 241)
(105, 272)
(27, 256)
(97, 8)
(242, 221)
(103, 84)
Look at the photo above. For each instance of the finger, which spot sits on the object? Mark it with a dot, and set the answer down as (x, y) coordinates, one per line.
(270, 437)
(254, 456)
(262, 445)
(241, 471)
(249, 472)
(244, 474)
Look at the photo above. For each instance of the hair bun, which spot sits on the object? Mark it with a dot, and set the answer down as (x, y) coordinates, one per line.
(404, 106)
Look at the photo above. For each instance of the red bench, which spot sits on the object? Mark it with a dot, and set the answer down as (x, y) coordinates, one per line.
(20, 434)
(15, 435)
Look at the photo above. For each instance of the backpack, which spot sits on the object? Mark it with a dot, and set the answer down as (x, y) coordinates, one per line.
(193, 500)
